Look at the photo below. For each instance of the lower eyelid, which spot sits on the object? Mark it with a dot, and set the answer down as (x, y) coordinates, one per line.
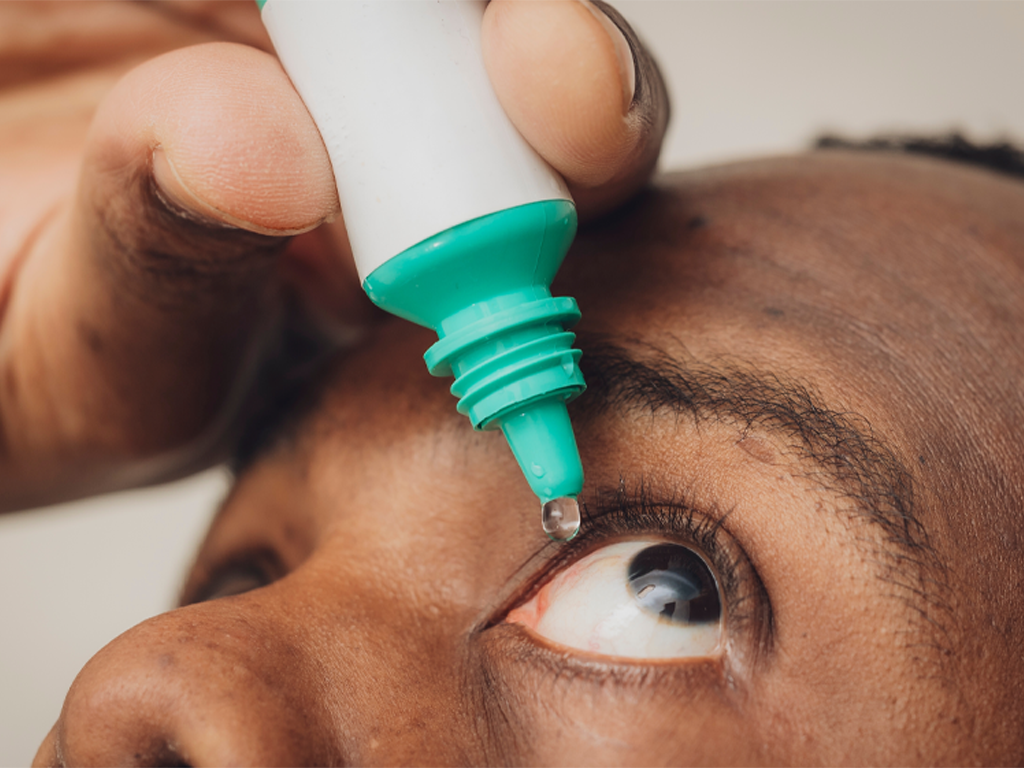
(563, 666)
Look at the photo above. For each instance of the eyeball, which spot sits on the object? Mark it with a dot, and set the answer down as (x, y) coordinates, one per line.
(635, 599)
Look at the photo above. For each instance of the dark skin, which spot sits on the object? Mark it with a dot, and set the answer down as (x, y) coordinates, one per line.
(380, 545)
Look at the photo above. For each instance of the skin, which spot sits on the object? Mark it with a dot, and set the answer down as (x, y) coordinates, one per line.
(400, 539)
(379, 545)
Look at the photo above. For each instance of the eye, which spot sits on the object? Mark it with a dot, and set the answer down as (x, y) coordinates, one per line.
(236, 577)
(634, 599)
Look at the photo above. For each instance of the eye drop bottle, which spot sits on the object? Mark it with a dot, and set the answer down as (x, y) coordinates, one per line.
(455, 222)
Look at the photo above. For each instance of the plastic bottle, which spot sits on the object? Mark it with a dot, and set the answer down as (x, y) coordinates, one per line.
(455, 222)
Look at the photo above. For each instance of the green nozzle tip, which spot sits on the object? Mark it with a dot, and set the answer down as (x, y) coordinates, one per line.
(541, 438)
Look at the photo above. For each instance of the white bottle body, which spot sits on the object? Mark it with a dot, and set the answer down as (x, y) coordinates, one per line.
(416, 135)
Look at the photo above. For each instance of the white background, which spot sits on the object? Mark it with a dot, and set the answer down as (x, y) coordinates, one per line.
(747, 78)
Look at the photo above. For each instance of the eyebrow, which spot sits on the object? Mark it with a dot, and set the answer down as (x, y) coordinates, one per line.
(849, 458)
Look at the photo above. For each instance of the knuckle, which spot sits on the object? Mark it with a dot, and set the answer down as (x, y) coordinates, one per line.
(163, 254)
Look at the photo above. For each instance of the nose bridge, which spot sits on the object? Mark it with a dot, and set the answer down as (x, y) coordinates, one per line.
(393, 643)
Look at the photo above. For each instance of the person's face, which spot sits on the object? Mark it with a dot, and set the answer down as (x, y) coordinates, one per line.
(804, 380)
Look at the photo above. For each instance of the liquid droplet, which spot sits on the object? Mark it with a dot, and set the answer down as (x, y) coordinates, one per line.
(561, 518)
(537, 470)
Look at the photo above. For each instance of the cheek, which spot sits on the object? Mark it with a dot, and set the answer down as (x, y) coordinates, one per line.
(581, 713)
(854, 669)
(640, 732)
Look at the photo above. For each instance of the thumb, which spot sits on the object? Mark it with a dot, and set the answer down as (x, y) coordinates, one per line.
(140, 305)
(581, 88)
(229, 139)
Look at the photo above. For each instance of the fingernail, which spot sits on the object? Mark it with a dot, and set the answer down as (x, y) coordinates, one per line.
(173, 193)
(624, 54)
(176, 195)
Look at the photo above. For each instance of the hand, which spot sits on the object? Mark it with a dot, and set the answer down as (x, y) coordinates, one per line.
(159, 219)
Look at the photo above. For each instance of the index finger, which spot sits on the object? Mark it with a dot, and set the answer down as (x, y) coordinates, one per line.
(581, 88)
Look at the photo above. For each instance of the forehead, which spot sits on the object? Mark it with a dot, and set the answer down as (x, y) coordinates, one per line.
(879, 236)
(895, 284)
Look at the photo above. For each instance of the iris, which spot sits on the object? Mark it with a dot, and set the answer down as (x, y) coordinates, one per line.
(674, 583)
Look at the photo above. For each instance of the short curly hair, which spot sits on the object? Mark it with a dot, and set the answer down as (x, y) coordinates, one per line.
(1001, 156)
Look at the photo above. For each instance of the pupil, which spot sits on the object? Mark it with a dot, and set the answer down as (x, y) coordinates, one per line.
(675, 583)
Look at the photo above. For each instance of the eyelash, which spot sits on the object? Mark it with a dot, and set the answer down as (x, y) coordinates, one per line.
(626, 512)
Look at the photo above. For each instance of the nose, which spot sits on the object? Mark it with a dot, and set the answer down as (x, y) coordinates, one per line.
(199, 686)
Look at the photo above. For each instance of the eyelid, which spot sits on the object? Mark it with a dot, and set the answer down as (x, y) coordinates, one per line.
(261, 561)
(692, 674)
